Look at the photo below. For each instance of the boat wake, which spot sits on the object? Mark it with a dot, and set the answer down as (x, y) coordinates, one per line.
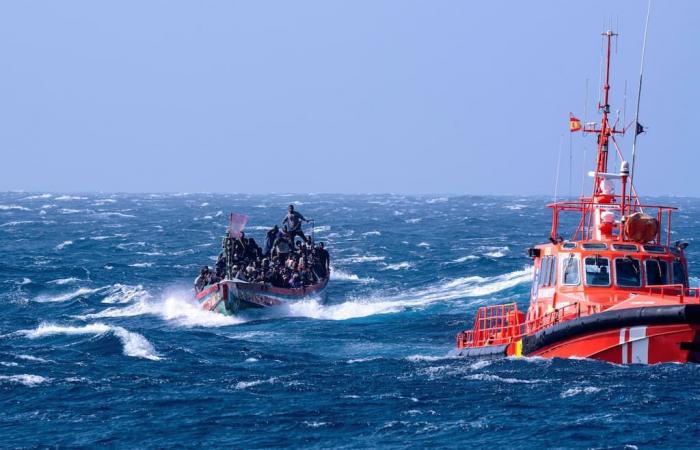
(178, 307)
(353, 308)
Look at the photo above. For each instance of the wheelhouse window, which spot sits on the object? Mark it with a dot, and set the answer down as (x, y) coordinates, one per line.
(570, 270)
(625, 247)
(627, 273)
(597, 271)
(678, 274)
(595, 246)
(656, 271)
(568, 245)
(654, 248)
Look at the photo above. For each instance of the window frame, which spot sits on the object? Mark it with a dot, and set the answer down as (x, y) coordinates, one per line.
(553, 273)
(544, 271)
(609, 271)
(565, 260)
(641, 280)
(672, 273)
(646, 275)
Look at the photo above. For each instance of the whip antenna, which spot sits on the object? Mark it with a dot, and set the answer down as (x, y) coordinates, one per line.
(637, 128)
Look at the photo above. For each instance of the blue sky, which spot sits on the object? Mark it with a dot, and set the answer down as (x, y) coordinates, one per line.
(334, 96)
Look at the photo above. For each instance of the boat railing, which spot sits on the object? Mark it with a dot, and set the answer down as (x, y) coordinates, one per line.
(673, 290)
(494, 325)
(586, 206)
(562, 314)
(503, 324)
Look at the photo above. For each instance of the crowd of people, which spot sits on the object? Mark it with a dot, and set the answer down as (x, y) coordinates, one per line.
(283, 261)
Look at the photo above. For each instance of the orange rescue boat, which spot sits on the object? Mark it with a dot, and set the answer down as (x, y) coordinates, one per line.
(616, 290)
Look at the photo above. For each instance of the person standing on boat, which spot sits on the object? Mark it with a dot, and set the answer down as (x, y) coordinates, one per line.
(292, 223)
(324, 259)
(270, 237)
(202, 280)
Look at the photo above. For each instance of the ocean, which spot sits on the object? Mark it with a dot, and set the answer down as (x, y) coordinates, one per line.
(102, 345)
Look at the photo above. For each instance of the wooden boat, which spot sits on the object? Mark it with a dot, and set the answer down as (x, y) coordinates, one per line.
(229, 297)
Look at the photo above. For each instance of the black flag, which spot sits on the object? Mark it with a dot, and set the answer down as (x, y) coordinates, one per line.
(640, 129)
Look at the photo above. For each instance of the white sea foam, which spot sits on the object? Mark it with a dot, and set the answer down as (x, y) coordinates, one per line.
(358, 259)
(372, 233)
(377, 304)
(34, 197)
(26, 379)
(465, 258)
(341, 275)
(70, 197)
(428, 358)
(133, 344)
(116, 214)
(424, 245)
(14, 223)
(322, 229)
(492, 377)
(352, 309)
(496, 252)
(33, 358)
(63, 245)
(399, 266)
(246, 384)
(123, 293)
(414, 220)
(81, 292)
(362, 360)
(11, 207)
(437, 200)
(142, 264)
(579, 390)
(177, 308)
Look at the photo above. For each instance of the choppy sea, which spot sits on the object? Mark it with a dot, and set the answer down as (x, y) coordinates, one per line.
(101, 344)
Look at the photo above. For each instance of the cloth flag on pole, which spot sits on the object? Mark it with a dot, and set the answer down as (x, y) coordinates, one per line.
(574, 123)
(236, 224)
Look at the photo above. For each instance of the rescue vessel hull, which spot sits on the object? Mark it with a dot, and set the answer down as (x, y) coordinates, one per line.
(230, 297)
(650, 335)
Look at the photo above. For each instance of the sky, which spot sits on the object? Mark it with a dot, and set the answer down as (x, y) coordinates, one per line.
(368, 96)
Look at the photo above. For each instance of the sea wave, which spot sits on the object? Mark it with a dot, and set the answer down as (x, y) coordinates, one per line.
(62, 281)
(133, 344)
(341, 275)
(13, 207)
(63, 245)
(26, 379)
(398, 266)
(176, 308)
(80, 292)
(358, 259)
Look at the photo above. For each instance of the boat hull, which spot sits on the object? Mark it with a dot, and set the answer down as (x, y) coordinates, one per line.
(231, 297)
(649, 335)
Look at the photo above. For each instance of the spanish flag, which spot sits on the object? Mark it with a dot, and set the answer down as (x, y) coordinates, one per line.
(574, 123)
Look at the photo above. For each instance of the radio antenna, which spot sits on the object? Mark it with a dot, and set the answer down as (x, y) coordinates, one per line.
(637, 127)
